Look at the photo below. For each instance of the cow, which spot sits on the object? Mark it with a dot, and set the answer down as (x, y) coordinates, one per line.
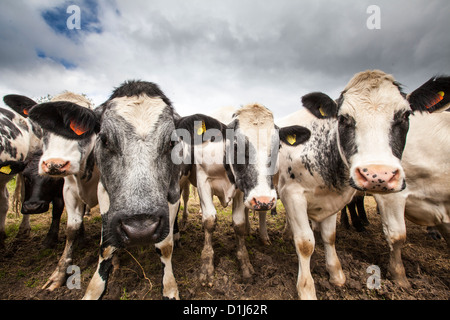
(356, 144)
(73, 161)
(138, 191)
(426, 198)
(19, 137)
(236, 162)
(39, 191)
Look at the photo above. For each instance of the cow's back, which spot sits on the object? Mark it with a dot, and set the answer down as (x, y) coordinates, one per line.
(15, 136)
(426, 161)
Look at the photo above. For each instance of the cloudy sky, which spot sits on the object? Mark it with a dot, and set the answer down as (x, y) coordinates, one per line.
(205, 54)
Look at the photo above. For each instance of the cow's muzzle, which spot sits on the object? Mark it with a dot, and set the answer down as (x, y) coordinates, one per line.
(34, 207)
(139, 229)
(55, 167)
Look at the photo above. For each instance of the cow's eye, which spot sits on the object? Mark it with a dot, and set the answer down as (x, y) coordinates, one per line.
(402, 118)
(346, 121)
(103, 139)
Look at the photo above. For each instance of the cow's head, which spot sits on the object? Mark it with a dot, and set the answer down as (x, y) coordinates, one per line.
(40, 190)
(61, 157)
(372, 124)
(132, 150)
(250, 150)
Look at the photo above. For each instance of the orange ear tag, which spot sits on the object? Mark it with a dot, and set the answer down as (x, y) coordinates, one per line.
(25, 112)
(437, 100)
(76, 128)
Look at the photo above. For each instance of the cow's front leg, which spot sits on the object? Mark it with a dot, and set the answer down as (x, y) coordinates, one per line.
(328, 233)
(392, 212)
(97, 285)
(297, 217)
(263, 235)
(51, 240)
(165, 249)
(209, 225)
(75, 213)
(239, 224)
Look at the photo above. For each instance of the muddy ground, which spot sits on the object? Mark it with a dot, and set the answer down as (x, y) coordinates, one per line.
(25, 266)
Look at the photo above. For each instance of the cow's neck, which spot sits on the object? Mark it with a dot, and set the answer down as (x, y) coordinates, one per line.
(322, 155)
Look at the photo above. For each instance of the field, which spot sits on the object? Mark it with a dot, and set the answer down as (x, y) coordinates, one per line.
(25, 266)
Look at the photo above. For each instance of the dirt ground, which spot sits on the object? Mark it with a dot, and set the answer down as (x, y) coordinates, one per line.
(25, 266)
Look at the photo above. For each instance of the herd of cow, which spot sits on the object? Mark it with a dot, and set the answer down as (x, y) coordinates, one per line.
(134, 156)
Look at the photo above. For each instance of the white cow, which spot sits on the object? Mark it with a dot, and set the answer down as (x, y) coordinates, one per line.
(426, 198)
(356, 144)
(235, 165)
(73, 160)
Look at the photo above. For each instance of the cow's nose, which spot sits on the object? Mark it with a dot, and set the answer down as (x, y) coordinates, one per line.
(139, 229)
(378, 178)
(262, 203)
(55, 166)
(34, 207)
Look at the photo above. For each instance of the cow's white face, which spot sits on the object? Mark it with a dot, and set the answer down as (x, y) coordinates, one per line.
(255, 152)
(372, 116)
(372, 128)
(62, 157)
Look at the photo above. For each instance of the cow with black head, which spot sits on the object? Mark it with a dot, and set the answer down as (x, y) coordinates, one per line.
(39, 192)
(138, 191)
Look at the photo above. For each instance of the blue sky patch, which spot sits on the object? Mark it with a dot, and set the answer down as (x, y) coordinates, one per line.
(57, 18)
(65, 63)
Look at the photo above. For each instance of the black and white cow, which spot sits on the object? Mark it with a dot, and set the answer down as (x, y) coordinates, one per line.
(236, 163)
(139, 186)
(74, 161)
(356, 144)
(19, 137)
(39, 191)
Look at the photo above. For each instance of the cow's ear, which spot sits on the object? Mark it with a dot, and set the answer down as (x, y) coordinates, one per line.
(320, 105)
(432, 96)
(294, 135)
(20, 104)
(66, 119)
(197, 126)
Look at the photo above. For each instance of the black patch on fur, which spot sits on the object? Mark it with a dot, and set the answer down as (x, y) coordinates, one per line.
(426, 97)
(189, 123)
(398, 133)
(320, 105)
(104, 269)
(132, 88)
(321, 156)
(346, 129)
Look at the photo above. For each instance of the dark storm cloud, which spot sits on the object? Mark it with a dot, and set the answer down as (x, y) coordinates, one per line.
(206, 54)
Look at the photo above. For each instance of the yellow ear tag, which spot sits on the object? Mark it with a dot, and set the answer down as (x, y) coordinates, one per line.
(201, 129)
(441, 93)
(322, 112)
(291, 138)
(5, 169)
